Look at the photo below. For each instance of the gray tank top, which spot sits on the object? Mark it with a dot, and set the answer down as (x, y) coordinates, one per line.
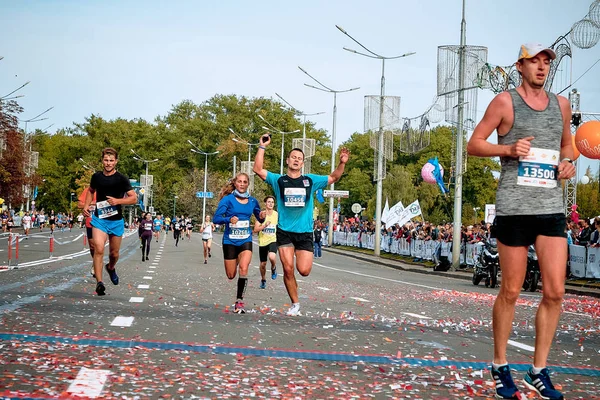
(525, 187)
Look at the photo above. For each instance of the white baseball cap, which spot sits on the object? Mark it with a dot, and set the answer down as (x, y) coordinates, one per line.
(530, 50)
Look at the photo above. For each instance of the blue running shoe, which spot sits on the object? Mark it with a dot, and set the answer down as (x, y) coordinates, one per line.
(114, 278)
(263, 284)
(541, 384)
(505, 386)
(274, 273)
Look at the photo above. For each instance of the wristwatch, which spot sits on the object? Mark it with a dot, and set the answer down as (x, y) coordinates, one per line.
(567, 159)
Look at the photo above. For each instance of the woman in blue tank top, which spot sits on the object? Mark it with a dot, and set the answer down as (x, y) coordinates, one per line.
(234, 211)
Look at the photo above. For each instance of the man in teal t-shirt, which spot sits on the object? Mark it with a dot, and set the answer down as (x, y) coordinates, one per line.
(294, 195)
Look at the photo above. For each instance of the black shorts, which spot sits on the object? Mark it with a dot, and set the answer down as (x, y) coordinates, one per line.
(263, 251)
(89, 232)
(231, 252)
(300, 241)
(522, 230)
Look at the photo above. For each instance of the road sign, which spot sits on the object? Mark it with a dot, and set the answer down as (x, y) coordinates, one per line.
(142, 191)
(356, 208)
(201, 195)
(336, 193)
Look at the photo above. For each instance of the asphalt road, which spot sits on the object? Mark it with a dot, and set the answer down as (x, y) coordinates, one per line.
(168, 330)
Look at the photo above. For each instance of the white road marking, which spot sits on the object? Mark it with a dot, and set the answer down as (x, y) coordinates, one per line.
(360, 299)
(323, 288)
(148, 277)
(416, 315)
(122, 321)
(143, 287)
(89, 383)
(521, 346)
(386, 279)
(136, 300)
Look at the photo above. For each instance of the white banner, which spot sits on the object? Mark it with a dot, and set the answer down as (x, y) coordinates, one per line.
(490, 213)
(394, 213)
(413, 210)
(385, 214)
(577, 260)
(593, 263)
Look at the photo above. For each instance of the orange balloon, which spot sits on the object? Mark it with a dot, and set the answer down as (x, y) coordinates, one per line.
(576, 152)
(587, 139)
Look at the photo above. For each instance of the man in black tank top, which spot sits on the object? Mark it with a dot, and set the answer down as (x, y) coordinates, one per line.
(535, 150)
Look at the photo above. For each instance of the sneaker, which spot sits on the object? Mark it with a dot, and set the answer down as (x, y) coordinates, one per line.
(239, 308)
(505, 386)
(209, 256)
(263, 284)
(114, 278)
(205, 262)
(273, 273)
(294, 310)
(100, 289)
(541, 384)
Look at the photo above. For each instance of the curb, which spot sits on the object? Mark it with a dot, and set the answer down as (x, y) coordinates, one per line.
(403, 266)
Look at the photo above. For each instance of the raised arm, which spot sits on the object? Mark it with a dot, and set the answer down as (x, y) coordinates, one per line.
(259, 160)
(337, 173)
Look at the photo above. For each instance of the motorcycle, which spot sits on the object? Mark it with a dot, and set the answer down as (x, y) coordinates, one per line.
(532, 276)
(487, 264)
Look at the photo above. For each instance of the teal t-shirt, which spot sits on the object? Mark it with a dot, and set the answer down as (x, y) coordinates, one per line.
(295, 200)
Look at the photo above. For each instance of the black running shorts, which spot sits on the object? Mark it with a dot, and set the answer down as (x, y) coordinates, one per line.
(522, 230)
(263, 251)
(300, 241)
(231, 252)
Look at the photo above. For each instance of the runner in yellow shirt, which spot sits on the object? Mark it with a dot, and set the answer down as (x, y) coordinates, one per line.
(267, 241)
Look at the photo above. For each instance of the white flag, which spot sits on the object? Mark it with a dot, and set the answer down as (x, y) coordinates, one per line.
(385, 213)
(413, 210)
(394, 214)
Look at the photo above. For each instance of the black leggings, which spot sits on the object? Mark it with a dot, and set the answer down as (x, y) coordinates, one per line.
(146, 244)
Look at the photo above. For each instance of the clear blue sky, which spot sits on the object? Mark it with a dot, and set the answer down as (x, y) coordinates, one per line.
(135, 59)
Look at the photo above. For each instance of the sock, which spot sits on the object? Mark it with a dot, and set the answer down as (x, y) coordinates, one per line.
(535, 370)
(241, 287)
(497, 366)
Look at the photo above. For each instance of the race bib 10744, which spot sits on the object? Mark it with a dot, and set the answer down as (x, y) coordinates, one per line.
(105, 210)
(539, 168)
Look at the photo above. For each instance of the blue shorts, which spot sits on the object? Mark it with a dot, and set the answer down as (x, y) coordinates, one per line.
(110, 227)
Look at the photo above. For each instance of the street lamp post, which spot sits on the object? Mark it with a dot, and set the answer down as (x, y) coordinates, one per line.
(137, 157)
(198, 151)
(243, 142)
(327, 89)
(272, 128)
(304, 115)
(71, 203)
(175, 197)
(380, 159)
(34, 119)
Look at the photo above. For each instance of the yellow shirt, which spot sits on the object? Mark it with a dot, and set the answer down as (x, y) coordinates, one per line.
(268, 234)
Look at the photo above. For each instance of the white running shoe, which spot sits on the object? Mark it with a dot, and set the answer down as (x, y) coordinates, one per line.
(294, 310)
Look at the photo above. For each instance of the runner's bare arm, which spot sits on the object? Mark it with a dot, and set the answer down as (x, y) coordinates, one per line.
(337, 173)
(499, 108)
(259, 160)
(566, 170)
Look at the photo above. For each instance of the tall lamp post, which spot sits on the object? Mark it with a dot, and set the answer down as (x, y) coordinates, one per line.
(303, 115)
(243, 142)
(195, 149)
(71, 203)
(27, 121)
(137, 157)
(175, 197)
(327, 89)
(272, 128)
(380, 159)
